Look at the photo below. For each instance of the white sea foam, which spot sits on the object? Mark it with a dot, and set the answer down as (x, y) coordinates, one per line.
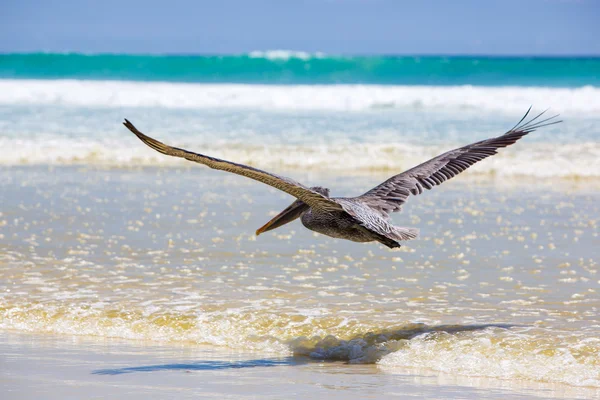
(543, 160)
(491, 352)
(110, 94)
(284, 54)
(505, 356)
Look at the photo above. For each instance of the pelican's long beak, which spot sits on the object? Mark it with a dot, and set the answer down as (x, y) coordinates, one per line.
(288, 215)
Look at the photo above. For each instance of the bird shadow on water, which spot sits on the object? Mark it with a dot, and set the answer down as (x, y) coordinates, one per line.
(364, 348)
(207, 365)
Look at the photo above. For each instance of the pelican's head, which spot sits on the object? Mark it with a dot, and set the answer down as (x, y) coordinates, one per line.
(295, 210)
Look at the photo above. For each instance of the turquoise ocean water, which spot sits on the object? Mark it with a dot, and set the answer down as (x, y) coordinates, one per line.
(279, 67)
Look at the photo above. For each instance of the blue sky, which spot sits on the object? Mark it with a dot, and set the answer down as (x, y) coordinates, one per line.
(507, 27)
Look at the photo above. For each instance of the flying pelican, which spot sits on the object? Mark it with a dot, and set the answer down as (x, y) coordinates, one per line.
(364, 218)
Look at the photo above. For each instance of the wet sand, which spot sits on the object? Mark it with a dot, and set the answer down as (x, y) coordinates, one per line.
(156, 275)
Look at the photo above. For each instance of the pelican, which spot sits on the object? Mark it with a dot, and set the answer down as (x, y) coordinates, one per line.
(364, 218)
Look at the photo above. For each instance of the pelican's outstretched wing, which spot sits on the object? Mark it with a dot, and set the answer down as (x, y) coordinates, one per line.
(308, 196)
(391, 194)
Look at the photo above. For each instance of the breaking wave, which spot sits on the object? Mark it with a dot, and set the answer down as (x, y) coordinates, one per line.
(493, 351)
(110, 94)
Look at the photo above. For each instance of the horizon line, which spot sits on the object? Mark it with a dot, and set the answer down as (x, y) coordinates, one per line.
(300, 54)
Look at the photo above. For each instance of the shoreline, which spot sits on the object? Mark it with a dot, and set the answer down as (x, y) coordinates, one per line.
(72, 367)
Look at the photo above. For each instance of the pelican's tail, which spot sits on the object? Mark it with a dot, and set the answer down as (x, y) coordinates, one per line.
(401, 233)
(398, 234)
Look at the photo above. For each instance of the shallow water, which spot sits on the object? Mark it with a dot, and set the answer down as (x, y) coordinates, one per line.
(502, 283)
(358, 128)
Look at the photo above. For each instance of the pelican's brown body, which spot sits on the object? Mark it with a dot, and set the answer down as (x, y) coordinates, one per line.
(364, 218)
(343, 226)
(360, 224)
(338, 225)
